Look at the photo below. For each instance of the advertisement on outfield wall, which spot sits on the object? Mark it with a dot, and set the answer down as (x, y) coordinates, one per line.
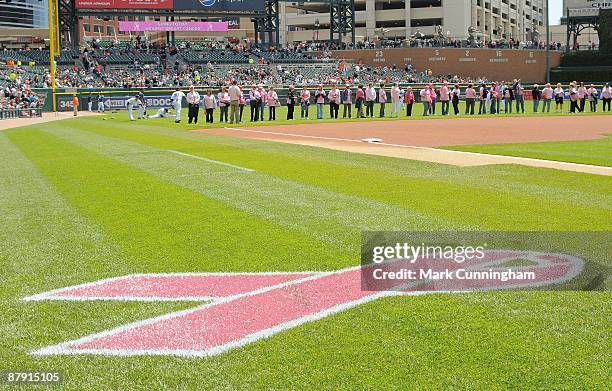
(211, 27)
(125, 4)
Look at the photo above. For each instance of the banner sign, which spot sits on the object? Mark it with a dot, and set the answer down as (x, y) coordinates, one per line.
(220, 5)
(174, 26)
(585, 7)
(124, 4)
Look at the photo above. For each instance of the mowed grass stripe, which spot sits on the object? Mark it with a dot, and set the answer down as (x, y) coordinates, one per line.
(325, 215)
(167, 228)
(596, 152)
(462, 195)
(45, 243)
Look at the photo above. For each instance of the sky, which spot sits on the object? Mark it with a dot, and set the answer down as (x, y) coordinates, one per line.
(555, 11)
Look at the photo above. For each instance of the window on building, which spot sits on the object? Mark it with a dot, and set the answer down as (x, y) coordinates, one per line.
(425, 3)
(86, 27)
(426, 22)
(98, 28)
(110, 30)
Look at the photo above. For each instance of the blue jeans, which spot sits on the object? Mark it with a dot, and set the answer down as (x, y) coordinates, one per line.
(319, 110)
(444, 107)
(482, 107)
(546, 105)
(520, 104)
(425, 109)
(536, 104)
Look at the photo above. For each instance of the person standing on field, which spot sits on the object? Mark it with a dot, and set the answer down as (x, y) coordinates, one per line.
(131, 103)
(319, 101)
(445, 98)
(482, 96)
(536, 94)
(193, 102)
(177, 102)
(224, 101)
(75, 104)
(290, 102)
(425, 95)
(101, 107)
(89, 103)
(210, 103)
(582, 93)
(409, 100)
(559, 95)
(304, 102)
(519, 93)
(234, 95)
(547, 96)
(470, 97)
(273, 103)
(264, 100)
(254, 102)
(395, 100)
(347, 101)
(592, 95)
(382, 100)
(433, 99)
(334, 101)
(370, 97)
(606, 96)
(455, 95)
(574, 98)
(359, 101)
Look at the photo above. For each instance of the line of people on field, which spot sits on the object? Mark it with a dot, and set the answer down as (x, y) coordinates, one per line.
(360, 101)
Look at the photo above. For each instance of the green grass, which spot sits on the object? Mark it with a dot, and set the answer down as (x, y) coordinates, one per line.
(84, 199)
(597, 152)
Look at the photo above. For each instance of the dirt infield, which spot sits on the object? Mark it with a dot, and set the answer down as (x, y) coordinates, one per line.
(414, 139)
(46, 117)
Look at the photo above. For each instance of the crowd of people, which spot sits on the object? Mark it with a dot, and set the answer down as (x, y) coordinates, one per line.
(17, 102)
(361, 100)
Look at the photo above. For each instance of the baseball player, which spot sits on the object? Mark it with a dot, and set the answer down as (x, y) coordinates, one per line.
(161, 113)
(101, 102)
(177, 102)
(131, 103)
(142, 105)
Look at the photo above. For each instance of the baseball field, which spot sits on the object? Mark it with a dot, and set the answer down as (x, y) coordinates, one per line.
(154, 255)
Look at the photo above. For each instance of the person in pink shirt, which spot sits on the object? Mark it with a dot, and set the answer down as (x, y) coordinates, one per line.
(547, 96)
(273, 103)
(370, 97)
(360, 101)
(382, 100)
(574, 98)
(445, 98)
(396, 100)
(255, 102)
(347, 100)
(434, 98)
(210, 104)
(304, 102)
(223, 100)
(592, 95)
(334, 102)
(264, 101)
(409, 100)
(606, 96)
(582, 93)
(319, 97)
(425, 95)
(470, 99)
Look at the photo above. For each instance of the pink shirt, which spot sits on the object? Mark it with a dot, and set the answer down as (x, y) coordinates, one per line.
(348, 95)
(320, 95)
(409, 97)
(470, 93)
(382, 95)
(370, 94)
(395, 94)
(209, 101)
(425, 95)
(582, 91)
(305, 95)
(432, 93)
(606, 92)
(334, 95)
(273, 99)
(360, 94)
(444, 93)
(547, 93)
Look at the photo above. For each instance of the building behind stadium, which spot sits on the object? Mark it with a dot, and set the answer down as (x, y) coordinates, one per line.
(522, 20)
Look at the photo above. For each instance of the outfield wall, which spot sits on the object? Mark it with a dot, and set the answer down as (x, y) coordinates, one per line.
(502, 64)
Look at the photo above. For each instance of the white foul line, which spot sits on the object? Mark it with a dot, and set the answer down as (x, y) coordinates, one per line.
(210, 160)
(518, 159)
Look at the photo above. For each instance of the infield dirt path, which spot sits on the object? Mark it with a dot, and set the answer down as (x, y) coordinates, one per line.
(415, 139)
(46, 117)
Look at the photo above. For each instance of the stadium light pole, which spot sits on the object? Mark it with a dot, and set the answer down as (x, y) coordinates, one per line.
(547, 42)
(53, 46)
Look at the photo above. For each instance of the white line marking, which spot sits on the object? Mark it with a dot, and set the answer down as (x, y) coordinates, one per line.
(518, 159)
(210, 160)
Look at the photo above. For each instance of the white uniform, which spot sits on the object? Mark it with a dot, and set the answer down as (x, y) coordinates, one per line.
(177, 103)
(161, 113)
(101, 103)
(131, 103)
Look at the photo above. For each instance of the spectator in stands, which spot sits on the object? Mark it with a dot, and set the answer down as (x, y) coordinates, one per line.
(547, 96)
(536, 95)
(559, 95)
(210, 103)
(606, 96)
(304, 102)
(319, 101)
(290, 102)
(382, 100)
(273, 103)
